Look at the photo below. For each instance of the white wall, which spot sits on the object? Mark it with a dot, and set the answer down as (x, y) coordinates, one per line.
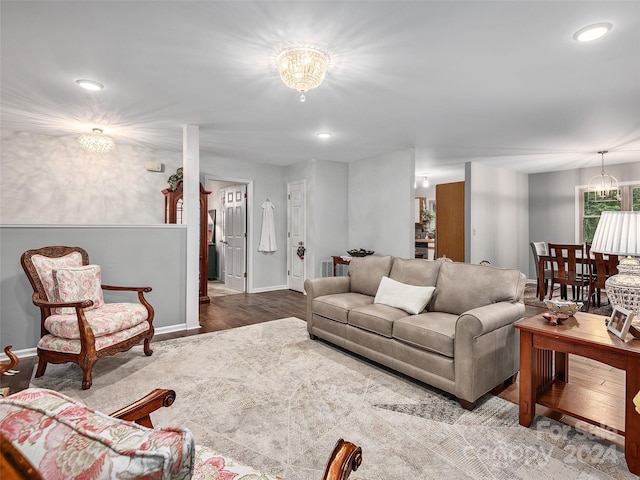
(497, 217)
(381, 204)
(52, 180)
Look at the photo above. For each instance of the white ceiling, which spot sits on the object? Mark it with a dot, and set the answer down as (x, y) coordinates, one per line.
(501, 82)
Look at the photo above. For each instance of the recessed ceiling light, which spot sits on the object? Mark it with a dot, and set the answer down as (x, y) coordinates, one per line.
(90, 84)
(324, 134)
(592, 32)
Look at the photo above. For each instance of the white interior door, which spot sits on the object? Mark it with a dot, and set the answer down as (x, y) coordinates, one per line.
(235, 237)
(295, 236)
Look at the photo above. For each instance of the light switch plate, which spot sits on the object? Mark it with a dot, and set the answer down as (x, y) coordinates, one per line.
(153, 166)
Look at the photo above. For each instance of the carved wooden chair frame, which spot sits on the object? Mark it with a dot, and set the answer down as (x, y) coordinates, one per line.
(88, 354)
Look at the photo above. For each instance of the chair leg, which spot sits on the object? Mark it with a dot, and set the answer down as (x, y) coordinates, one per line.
(147, 347)
(42, 366)
(86, 367)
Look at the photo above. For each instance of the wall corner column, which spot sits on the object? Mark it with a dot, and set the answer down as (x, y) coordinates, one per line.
(191, 183)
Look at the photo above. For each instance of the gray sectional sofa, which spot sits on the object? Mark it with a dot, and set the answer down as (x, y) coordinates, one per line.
(463, 342)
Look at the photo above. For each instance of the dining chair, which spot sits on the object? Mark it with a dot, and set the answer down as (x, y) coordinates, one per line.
(564, 260)
(539, 249)
(601, 267)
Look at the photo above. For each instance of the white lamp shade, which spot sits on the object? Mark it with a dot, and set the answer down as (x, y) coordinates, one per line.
(618, 233)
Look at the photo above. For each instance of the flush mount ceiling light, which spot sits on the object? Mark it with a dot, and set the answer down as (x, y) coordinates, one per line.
(302, 68)
(324, 135)
(603, 187)
(592, 32)
(96, 142)
(89, 84)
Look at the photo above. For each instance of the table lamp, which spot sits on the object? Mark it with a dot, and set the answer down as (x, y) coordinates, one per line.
(618, 233)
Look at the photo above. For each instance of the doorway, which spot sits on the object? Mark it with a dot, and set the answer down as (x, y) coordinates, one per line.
(229, 236)
(234, 236)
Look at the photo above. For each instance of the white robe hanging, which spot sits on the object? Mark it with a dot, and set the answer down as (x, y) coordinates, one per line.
(268, 237)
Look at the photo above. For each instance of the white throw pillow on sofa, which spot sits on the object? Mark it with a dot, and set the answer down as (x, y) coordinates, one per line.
(410, 298)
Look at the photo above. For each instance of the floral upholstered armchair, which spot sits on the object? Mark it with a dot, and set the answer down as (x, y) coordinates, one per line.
(45, 434)
(76, 324)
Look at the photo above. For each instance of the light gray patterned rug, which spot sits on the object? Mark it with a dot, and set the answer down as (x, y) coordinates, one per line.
(271, 398)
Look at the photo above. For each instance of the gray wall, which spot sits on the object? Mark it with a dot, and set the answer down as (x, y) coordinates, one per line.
(381, 204)
(128, 256)
(552, 202)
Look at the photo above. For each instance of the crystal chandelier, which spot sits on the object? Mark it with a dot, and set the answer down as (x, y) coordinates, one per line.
(302, 68)
(601, 187)
(96, 142)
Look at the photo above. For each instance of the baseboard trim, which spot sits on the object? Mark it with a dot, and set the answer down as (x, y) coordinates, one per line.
(24, 353)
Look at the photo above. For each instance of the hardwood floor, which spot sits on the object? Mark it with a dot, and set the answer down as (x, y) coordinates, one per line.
(250, 308)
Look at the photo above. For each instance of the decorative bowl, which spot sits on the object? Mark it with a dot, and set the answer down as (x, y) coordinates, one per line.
(563, 307)
(360, 252)
(554, 319)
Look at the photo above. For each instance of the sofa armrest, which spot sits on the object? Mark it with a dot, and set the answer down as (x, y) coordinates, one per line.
(485, 319)
(486, 349)
(140, 410)
(318, 287)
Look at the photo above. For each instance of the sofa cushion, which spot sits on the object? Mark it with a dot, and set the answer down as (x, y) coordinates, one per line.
(65, 345)
(433, 331)
(210, 465)
(46, 265)
(337, 306)
(463, 286)
(64, 439)
(108, 319)
(377, 318)
(366, 272)
(75, 284)
(415, 271)
(410, 298)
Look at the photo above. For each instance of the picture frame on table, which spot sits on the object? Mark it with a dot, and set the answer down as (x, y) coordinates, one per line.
(620, 322)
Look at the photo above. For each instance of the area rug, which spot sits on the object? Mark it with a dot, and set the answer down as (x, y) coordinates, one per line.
(531, 299)
(268, 396)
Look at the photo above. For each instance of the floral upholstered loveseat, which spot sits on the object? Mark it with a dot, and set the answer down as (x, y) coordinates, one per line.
(55, 437)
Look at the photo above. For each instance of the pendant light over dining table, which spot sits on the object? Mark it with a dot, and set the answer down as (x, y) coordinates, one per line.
(302, 68)
(603, 187)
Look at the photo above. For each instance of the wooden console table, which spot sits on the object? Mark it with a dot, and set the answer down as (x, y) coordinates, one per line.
(544, 375)
(337, 260)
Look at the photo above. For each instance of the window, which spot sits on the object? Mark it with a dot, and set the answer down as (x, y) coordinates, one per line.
(627, 198)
